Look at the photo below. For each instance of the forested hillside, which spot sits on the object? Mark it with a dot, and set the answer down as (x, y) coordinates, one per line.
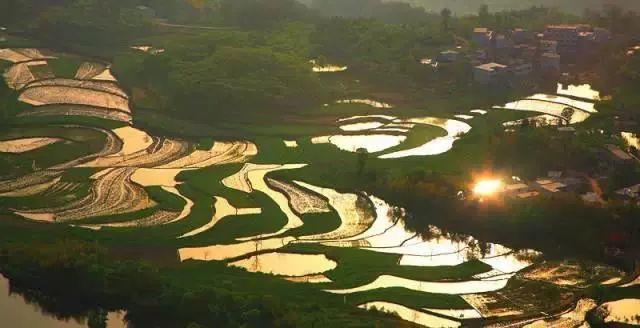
(465, 7)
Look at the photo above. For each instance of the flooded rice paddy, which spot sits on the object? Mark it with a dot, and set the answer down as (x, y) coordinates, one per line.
(560, 108)
(631, 139)
(455, 129)
(326, 68)
(378, 133)
(584, 91)
(286, 264)
(434, 287)
(24, 145)
(625, 311)
(411, 315)
(573, 318)
(133, 162)
(368, 102)
(372, 143)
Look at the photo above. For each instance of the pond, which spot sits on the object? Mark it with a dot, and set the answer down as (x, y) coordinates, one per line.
(15, 309)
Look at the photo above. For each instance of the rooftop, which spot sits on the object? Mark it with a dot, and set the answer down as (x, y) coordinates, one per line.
(550, 55)
(480, 30)
(553, 187)
(566, 26)
(516, 187)
(619, 153)
(491, 67)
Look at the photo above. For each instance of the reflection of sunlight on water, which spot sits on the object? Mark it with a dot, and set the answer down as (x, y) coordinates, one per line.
(373, 143)
(446, 287)
(133, 140)
(582, 105)
(311, 279)
(537, 121)
(156, 177)
(559, 106)
(372, 103)
(573, 318)
(632, 139)
(224, 252)
(436, 146)
(625, 311)
(411, 315)
(328, 68)
(550, 108)
(24, 145)
(16, 312)
(354, 219)
(286, 264)
(384, 117)
(361, 126)
(580, 91)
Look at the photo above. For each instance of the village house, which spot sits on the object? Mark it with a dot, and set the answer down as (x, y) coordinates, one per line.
(489, 73)
(567, 37)
(520, 36)
(548, 46)
(521, 68)
(550, 62)
(618, 154)
(482, 36)
(501, 42)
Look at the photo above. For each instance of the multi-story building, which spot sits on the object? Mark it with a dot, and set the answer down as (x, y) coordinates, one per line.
(448, 56)
(502, 42)
(521, 68)
(482, 36)
(548, 46)
(567, 36)
(489, 73)
(520, 36)
(601, 35)
(550, 62)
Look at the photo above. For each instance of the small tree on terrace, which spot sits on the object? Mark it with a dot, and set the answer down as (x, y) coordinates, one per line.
(363, 155)
(567, 114)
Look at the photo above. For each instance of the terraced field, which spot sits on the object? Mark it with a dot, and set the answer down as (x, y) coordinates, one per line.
(223, 201)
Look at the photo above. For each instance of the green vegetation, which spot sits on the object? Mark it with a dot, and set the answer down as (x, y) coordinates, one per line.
(240, 70)
(358, 267)
(166, 200)
(80, 271)
(418, 136)
(65, 67)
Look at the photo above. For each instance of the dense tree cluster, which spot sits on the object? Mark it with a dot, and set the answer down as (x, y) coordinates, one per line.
(71, 278)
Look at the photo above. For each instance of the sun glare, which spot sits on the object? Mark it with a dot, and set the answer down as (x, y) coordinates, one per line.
(488, 187)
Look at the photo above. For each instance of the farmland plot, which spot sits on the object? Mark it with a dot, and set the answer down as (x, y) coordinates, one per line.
(50, 95)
